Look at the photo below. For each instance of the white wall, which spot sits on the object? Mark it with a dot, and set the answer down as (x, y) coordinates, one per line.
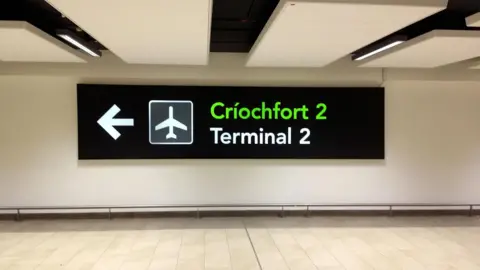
(432, 155)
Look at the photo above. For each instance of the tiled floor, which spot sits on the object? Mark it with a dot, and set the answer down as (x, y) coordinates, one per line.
(328, 243)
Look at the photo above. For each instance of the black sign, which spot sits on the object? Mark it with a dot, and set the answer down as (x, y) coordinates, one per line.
(154, 122)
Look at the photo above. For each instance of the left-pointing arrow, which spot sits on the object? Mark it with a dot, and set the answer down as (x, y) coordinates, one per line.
(108, 122)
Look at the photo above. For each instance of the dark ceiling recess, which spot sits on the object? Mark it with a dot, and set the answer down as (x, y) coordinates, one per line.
(236, 24)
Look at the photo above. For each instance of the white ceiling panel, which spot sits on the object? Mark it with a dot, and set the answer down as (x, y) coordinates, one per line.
(434, 49)
(315, 33)
(22, 42)
(474, 20)
(168, 32)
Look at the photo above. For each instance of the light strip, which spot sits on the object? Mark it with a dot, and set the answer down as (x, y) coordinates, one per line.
(79, 45)
(386, 47)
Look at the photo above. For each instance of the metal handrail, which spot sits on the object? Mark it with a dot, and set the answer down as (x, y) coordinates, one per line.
(198, 207)
(234, 206)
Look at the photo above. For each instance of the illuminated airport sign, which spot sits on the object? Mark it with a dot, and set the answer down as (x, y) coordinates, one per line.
(158, 122)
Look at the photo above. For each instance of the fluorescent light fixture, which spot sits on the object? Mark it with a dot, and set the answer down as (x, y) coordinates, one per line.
(78, 42)
(436, 48)
(369, 51)
(391, 45)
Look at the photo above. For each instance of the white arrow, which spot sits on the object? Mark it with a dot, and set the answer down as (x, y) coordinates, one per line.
(107, 122)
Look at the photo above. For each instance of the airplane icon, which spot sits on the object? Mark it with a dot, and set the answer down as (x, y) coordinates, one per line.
(170, 123)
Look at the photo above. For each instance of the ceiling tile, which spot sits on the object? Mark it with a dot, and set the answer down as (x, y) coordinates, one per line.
(22, 42)
(146, 31)
(315, 33)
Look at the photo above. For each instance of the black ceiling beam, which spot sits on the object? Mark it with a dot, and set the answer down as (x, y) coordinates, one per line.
(464, 5)
(236, 24)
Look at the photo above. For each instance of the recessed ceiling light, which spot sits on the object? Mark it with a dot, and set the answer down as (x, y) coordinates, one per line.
(378, 48)
(76, 41)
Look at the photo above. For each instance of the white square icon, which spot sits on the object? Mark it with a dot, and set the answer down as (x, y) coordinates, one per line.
(170, 122)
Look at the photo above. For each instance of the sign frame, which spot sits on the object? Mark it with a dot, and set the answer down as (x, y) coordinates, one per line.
(93, 100)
